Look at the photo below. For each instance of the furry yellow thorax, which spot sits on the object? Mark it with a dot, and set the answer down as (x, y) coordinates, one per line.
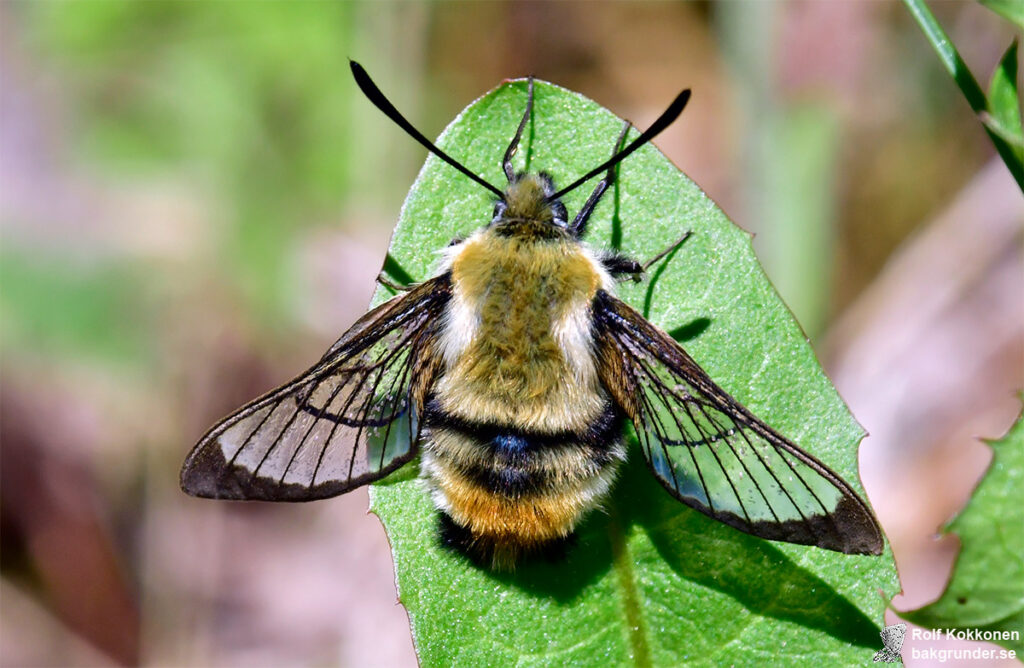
(526, 359)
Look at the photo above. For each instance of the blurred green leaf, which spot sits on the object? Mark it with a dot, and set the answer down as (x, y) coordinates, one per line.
(966, 82)
(986, 591)
(58, 308)
(798, 206)
(250, 101)
(1011, 10)
(650, 581)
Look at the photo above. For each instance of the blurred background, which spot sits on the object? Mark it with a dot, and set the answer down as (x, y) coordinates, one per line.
(195, 201)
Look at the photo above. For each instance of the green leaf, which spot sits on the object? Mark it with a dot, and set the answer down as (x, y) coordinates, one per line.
(650, 582)
(1003, 104)
(986, 591)
(1011, 10)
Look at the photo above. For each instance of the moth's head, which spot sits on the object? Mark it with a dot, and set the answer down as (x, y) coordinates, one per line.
(527, 207)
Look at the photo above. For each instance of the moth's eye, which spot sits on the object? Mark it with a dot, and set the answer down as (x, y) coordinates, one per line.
(559, 213)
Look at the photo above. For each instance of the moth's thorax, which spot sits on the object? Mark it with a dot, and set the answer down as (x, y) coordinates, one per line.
(517, 339)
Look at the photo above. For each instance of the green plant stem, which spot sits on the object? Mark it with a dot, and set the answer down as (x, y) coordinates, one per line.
(964, 80)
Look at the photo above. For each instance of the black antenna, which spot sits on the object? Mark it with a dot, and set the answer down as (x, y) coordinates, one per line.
(371, 91)
(670, 114)
(506, 163)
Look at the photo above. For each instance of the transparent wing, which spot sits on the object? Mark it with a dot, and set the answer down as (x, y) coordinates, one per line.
(713, 454)
(349, 420)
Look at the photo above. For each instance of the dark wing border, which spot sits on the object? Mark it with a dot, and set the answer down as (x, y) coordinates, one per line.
(619, 330)
(207, 473)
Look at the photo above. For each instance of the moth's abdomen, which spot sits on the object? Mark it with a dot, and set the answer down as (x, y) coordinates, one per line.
(508, 493)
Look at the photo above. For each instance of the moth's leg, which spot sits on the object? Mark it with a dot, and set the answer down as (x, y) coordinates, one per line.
(388, 283)
(394, 277)
(506, 162)
(579, 225)
(624, 267)
(671, 247)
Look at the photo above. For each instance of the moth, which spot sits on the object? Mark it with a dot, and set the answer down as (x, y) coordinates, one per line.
(512, 374)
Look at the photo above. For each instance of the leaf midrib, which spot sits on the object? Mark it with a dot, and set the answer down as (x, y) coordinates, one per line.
(622, 563)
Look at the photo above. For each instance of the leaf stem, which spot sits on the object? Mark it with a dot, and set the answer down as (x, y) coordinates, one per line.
(964, 80)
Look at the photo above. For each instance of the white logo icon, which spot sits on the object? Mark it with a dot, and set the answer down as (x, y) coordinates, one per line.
(892, 643)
